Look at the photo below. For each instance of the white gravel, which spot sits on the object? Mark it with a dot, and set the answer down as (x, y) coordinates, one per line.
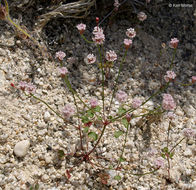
(31, 135)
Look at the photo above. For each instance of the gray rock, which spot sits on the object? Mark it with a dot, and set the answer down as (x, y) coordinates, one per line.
(21, 148)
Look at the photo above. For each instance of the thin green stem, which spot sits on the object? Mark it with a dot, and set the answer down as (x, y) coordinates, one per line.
(168, 133)
(102, 73)
(172, 61)
(32, 95)
(74, 92)
(83, 37)
(102, 132)
(116, 80)
(169, 166)
(125, 141)
(176, 145)
(131, 110)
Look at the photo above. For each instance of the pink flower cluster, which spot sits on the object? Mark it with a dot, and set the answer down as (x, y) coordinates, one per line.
(193, 79)
(170, 76)
(93, 102)
(81, 27)
(168, 102)
(159, 163)
(127, 43)
(90, 58)
(121, 96)
(60, 55)
(63, 71)
(29, 87)
(131, 33)
(136, 103)
(188, 132)
(68, 111)
(141, 16)
(111, 56)
(173, 43)
(116, 4)
(99, 36)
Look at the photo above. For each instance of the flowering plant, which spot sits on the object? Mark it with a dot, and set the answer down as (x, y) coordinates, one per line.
(93, 118)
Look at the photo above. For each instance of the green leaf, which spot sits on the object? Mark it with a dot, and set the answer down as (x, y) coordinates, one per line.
(86, 129)
(110, 117)
(121, 159)
(37, 186)
(171, 154)
(118, 133)
(121, 110)
(162, 155)
(165, 149)
(110, 167)
(125, 122)
(117, 177)
(90, 113)
(61, 153)
(85, 119)
(99, 118)
(93, 136)
(97, 109)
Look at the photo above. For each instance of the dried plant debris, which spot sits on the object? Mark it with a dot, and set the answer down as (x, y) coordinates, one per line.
(77, 9)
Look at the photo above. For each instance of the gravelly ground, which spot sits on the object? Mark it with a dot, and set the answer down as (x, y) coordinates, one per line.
(23, 119)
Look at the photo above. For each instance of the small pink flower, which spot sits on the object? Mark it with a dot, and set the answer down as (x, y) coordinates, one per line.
(136, 103)
(116, 4)
(90, 58)
(171, 115)
(168, 102)
(159, 163)
(93, 102)
(127, 43)
(121, 96)
(188, 132)
(60, 55)
(193, 79)
(99, 38)
(128, 117)
(173, 43)
(97, 30)
(81, 27)
(131, 33)
(111, 56)
(63, 71)
(68, 111)
(24, 86)
(141, 16)
(170, 76)
(30, 88)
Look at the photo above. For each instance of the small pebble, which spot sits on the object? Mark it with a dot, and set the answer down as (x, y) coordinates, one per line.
(47, 116)
(21, 148)
(188, 152)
